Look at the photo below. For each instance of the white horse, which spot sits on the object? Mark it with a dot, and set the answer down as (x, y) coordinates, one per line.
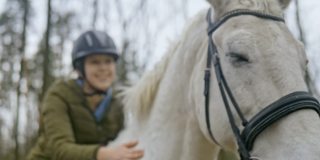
(261, 61)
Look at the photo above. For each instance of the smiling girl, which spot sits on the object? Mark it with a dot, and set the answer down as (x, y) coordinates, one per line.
(80, 116)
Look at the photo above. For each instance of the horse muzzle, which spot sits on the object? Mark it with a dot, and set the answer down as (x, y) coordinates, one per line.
(284, 106)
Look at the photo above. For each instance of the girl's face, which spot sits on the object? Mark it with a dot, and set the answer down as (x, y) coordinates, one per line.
(100, 72)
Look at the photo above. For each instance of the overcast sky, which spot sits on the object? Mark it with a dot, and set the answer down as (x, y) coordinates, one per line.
(309, 10)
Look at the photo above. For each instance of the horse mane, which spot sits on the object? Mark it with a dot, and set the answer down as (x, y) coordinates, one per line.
(139, 98)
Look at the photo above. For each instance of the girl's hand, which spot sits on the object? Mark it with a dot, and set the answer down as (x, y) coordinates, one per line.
(125, 151)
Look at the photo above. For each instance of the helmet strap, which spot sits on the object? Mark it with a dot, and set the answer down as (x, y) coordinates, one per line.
(95, 91)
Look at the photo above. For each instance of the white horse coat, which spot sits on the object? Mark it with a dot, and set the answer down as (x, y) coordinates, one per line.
(165, 110)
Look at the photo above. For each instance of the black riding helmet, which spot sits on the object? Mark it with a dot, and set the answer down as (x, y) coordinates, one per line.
(89, 43)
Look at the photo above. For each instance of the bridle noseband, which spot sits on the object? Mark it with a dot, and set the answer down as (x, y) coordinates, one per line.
(270, 114)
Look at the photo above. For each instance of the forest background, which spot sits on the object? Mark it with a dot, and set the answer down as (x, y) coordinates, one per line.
(36, 38)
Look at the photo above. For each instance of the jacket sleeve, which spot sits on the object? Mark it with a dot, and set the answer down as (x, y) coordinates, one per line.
(59, 134)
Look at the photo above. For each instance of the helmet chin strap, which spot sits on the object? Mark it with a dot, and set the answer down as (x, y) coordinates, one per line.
(82, 81)
(96, 91)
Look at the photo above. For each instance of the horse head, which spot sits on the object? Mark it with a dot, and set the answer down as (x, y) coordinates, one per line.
(259, 68)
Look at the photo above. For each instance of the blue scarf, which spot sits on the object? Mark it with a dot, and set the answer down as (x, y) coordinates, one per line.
(103, 105)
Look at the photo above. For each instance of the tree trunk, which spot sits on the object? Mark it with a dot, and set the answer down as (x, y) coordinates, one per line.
(26, 5)
(95, 13)
(46, 54)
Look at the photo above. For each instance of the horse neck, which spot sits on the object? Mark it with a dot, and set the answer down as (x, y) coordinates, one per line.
(171, 129)
(173, 117)
(294, 137)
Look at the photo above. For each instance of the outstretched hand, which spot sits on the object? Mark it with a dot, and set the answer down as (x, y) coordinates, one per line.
(125, 151)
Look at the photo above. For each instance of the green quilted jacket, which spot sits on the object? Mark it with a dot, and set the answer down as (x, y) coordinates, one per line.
(68, 129)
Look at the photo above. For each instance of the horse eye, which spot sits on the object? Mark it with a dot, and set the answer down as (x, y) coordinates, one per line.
(238, 58)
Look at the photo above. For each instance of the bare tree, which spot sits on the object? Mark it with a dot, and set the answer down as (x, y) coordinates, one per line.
(47, 77)
(13, 43)
(95, 13)
(129, 62)
(25, 5)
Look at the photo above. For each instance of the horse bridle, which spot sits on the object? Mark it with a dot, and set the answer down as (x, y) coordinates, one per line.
(270, 114)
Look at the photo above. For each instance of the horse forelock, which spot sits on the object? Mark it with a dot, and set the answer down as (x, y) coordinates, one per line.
(273, 7)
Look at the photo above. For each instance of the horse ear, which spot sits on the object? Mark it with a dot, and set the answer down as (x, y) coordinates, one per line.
(284, 3)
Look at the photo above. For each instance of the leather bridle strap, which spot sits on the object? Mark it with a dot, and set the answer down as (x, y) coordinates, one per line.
(293, 102)
(239, 12)
(222, 83)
